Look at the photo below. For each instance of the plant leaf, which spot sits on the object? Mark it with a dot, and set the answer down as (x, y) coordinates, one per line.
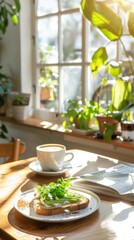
(115, 68)
(18, 6)
(131, 22)
(119, 114)
(14, 19)
(3, 128)
(121, 93)
(99, 58)
(103, 17)
(109, 131)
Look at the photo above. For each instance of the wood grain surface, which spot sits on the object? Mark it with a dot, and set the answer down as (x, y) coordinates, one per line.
(114, 220)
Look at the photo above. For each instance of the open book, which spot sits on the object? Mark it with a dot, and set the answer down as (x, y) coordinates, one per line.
(117, 181)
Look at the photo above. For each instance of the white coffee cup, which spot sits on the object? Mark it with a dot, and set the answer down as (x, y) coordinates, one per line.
(52, 156)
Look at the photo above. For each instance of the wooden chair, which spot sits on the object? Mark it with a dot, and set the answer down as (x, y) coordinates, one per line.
(12, 150)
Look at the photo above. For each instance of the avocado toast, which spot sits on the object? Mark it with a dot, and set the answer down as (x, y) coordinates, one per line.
(55, 198)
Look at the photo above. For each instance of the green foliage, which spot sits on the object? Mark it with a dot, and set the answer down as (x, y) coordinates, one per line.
(108, 131)
(79, 114)
(109, 22)
(3, 131)
(5, 87)
(56, 193)
(48, 75)
(99, 59)
(48, 78)
(20, 100)
(121, 94)
(104, 17)
(121, 90)
(8, 11)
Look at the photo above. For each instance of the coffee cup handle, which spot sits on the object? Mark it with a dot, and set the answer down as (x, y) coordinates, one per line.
(67, 154)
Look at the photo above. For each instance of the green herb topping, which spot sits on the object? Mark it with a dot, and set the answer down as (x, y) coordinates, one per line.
(56, 193)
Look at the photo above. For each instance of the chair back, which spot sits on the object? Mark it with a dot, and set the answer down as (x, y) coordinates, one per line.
(12, 150)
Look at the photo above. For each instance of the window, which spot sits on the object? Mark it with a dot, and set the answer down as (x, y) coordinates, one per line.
(64, 44)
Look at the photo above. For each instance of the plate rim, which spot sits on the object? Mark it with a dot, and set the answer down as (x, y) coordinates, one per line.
(45, 218)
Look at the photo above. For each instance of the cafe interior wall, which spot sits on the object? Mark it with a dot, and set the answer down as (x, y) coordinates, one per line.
(16, 52)
(10, 54)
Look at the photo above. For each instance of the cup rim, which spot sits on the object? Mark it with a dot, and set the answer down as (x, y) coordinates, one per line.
(40, 147)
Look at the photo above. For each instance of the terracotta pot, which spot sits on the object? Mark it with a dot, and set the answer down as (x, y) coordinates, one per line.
(109, 121)
(77, 125)
(44, 94)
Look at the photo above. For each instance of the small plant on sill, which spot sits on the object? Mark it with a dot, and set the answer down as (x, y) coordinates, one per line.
(78, 114)
(20, 100)
(20, 106)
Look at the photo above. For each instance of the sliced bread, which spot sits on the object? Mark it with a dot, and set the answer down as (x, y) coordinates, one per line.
(52, 210)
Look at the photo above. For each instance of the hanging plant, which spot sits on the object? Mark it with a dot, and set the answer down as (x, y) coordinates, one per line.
(9, 10)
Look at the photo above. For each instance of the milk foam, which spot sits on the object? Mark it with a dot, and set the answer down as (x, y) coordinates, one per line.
(51, 149)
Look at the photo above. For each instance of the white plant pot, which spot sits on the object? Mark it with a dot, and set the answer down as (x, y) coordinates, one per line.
(21, 112)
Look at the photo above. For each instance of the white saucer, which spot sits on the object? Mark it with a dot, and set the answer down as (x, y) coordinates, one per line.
(34, 166)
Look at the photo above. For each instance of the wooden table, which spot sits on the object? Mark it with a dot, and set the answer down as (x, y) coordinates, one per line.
(114, 220)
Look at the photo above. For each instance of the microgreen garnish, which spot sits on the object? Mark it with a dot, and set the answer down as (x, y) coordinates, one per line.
(56, 193)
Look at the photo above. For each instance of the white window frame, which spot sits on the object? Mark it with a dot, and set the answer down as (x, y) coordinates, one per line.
(28, 66)
(85, 64)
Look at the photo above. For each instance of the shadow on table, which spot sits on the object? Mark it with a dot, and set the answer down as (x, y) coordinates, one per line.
(43, 230)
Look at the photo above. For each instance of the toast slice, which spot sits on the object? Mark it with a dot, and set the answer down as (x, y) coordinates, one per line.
(60, 208)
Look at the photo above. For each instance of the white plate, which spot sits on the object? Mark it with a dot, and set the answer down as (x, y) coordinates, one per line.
(23, 204)
(34, 166)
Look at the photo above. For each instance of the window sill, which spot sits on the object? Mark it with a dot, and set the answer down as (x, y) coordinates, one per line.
(55, 127)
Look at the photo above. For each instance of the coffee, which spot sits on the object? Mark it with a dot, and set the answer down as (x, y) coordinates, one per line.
(51, 149)
(51, 156)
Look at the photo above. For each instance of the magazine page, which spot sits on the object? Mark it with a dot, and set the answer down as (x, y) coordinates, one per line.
(104, 190)
(119, 178)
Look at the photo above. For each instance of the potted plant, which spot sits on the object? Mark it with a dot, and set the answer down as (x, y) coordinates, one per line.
(48, 81)
(20, 106)
(107, 20)
(80, 115)
(121, 95)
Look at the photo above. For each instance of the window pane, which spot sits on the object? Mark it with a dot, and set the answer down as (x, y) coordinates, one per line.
(129, 48)
(46, 7)
(48, 40)
(68, 4)
(96, 40)
(48, 82)
(128, 69)
(71, 37)
(71, 83)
